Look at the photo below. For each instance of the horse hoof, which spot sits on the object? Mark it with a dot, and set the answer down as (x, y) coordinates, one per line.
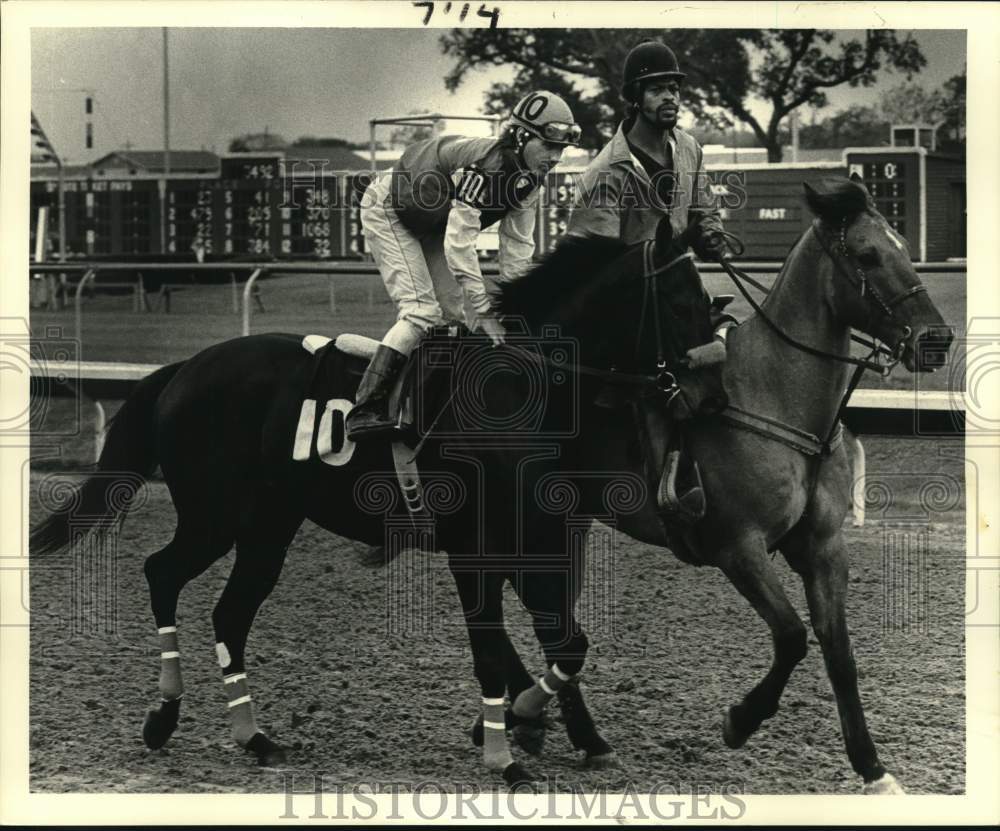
(885, 785)
(267, 752)
(519, 779)
(530, 736)
(601, 761)
(160, 724)
(733, 738)
(477, 732)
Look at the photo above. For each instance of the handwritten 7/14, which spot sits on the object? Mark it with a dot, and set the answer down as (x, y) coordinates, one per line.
(492, 14)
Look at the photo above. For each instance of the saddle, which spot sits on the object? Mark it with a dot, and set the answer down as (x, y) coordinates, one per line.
(330, 394)
(436, 373)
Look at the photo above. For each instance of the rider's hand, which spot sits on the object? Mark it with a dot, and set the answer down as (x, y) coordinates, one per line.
(494, 329)
(712, 247)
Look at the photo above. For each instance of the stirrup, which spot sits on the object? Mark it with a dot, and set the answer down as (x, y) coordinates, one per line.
(689, 506)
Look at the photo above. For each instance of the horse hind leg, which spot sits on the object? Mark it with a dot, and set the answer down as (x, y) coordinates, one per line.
(167, 572)
(260, 556)
(749, 570)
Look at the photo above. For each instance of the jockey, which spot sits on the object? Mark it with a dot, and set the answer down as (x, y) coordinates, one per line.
(421, 221)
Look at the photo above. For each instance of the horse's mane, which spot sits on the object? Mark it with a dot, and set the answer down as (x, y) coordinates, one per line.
(562, 273)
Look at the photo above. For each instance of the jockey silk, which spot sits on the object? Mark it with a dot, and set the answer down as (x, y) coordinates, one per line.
(422, 220)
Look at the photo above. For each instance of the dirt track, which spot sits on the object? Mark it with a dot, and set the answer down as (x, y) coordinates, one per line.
(358, 703)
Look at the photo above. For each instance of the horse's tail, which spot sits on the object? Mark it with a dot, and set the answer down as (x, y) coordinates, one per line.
(128, 457)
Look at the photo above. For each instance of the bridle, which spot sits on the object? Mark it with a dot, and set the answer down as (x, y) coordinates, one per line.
(665, 380)
(861, 283)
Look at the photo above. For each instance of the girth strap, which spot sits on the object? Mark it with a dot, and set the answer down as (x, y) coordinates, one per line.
(800, 440)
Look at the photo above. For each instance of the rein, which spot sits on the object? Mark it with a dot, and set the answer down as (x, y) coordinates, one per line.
(791, 436)
(663, 382)
(739, 278)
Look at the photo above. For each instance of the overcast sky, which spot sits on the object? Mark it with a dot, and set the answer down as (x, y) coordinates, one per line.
(325, 82)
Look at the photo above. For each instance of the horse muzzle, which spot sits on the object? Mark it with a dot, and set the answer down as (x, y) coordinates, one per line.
(926, 350)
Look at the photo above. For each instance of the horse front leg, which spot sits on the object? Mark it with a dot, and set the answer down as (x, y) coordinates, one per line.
(823, 566)
(529, 734)
(550, 598)
(748, 568)
(481, 595)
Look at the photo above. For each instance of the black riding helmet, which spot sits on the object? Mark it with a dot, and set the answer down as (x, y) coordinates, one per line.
(650, 59)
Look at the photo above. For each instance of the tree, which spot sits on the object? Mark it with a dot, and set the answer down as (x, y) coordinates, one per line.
(405, 134)
(325, 141)
(725, 67)
(911, 104)
(855, 126)
(255, 142)
(952, 135)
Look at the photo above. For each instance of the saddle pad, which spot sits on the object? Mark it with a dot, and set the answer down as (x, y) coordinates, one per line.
(327, 399)
(359, 346)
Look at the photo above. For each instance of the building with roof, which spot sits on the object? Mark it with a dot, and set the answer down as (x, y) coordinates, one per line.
(122, 164)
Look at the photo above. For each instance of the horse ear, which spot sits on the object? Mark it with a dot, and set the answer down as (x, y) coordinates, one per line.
(833, 200)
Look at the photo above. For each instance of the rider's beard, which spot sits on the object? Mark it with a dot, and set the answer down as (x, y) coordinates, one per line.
(658, 119)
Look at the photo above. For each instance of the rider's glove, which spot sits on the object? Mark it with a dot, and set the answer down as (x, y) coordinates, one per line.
(711, 247)
(493, 328)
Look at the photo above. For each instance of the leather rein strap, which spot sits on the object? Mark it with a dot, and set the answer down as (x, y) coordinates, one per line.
(790, 436)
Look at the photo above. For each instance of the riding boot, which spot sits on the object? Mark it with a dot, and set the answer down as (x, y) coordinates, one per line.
(370, 415)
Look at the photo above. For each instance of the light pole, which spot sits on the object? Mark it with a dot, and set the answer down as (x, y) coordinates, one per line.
(166, 146)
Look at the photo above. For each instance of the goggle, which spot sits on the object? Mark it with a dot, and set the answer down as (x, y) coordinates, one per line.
(559, 131)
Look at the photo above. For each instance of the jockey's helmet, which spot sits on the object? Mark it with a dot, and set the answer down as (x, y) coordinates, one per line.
(650, 59)
(546, 116)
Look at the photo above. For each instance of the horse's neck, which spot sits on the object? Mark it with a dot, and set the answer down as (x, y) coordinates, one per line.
(771, 377)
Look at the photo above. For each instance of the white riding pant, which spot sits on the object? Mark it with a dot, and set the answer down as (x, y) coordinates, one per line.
(414, 271)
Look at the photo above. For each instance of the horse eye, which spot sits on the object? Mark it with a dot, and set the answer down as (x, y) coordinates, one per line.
(869, 259)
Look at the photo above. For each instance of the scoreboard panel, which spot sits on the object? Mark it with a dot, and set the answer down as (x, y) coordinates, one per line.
(309, 212)
(354, 238)
(259, 206)
(191, 211)
(556, 208)
(250, 217)
(893, 179)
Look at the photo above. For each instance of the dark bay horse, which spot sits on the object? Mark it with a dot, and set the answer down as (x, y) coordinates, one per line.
(219, 428)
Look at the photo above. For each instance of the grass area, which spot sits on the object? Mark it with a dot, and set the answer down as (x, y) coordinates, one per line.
(201, 316)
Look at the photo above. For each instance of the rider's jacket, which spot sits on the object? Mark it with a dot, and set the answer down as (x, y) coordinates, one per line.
(616, 197)
(455, 187)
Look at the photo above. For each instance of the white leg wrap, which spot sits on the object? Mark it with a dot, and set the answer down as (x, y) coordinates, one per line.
(562, 676)
(496, 754)
(171, 685)
(532, 701)
(240, 704)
